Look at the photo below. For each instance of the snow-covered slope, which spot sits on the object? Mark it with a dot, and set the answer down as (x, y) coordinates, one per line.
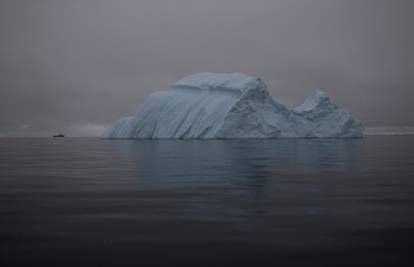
(210, 105)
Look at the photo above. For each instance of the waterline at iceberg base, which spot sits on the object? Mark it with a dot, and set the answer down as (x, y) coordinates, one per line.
(234, 105)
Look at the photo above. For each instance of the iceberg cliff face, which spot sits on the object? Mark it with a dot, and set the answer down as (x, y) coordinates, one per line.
(209, 105)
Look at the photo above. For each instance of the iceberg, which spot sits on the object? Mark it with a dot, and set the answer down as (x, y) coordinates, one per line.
(232, 105)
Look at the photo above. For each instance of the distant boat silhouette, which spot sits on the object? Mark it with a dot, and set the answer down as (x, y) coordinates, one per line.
(59, 135)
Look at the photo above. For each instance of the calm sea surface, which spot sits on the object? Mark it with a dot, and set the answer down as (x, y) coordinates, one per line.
(92, 202)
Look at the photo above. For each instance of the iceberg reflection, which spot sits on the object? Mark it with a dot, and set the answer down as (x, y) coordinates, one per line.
(194, 162)
(223, 180)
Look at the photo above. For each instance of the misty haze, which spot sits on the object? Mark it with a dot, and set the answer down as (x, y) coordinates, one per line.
(77, 66)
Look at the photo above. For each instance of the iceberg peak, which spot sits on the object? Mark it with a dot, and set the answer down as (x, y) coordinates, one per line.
(237, 82)
(232, 105)
(317, 99)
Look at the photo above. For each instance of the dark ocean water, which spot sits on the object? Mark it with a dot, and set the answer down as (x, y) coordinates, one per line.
(91, 202)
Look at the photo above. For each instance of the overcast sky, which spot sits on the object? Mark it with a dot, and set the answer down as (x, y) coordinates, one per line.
(76, 66)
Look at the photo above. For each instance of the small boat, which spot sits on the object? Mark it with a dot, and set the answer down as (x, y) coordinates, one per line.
(59, 135)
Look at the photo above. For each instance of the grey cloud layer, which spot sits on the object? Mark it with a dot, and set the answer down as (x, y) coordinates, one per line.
(70, 63)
